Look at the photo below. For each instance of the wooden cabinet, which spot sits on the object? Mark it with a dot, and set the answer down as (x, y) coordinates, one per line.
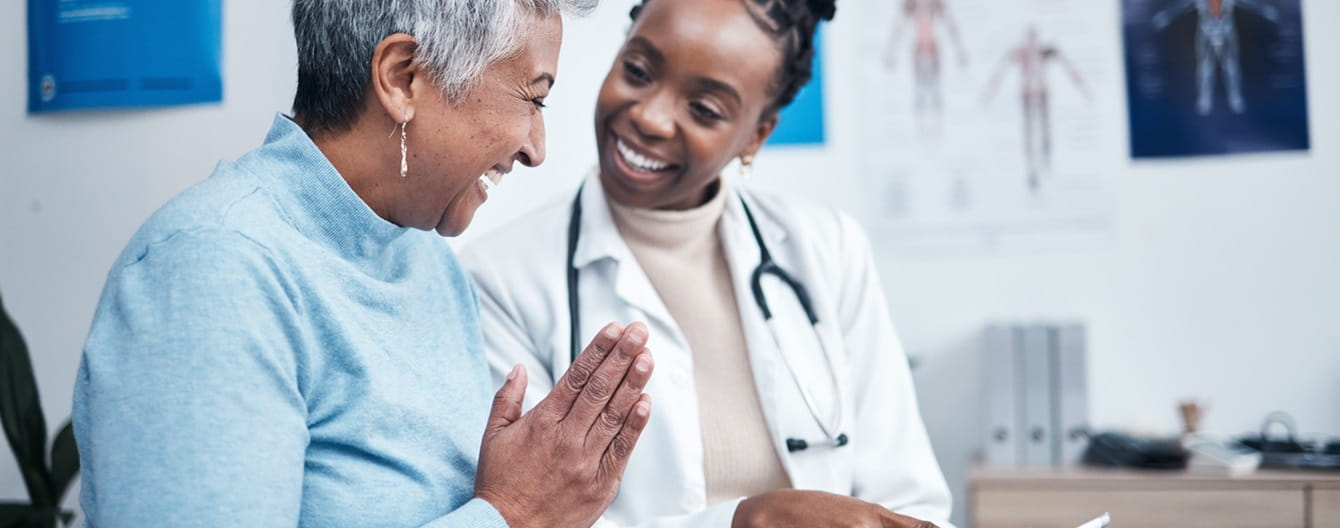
(1067, 498)
(1326, 507)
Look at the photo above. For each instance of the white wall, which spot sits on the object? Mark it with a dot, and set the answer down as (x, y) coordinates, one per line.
(1219, 280)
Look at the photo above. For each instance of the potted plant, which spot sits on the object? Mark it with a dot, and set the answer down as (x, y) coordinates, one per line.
(26, 430)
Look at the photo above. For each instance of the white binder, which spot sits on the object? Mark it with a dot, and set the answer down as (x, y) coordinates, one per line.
(1037, 382)
(1000, 400)
(1071, 394)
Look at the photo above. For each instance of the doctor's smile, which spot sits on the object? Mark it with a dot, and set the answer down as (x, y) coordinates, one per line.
(686, 94)
(639, 161)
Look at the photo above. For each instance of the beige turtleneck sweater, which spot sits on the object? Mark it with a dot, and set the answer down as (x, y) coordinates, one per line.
(681, 253)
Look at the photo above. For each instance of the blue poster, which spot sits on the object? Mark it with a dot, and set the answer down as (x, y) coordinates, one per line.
(802, 122)
(123, 53)
(1211, 77)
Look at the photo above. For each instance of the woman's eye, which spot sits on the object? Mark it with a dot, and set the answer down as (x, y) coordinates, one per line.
(636, 73)
(705, 112)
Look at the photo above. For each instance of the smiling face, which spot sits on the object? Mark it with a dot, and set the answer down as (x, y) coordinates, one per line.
(688, 92)
(496, 125)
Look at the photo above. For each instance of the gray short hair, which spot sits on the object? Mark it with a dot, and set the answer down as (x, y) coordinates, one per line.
(457, 39)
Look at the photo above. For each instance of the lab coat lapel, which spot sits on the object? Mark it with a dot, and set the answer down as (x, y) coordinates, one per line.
(600, 240)
(614, 285)
(785, 409)
(743, 255)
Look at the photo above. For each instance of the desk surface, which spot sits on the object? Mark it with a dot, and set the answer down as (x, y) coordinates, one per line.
(1063, 498)
(1089, 478)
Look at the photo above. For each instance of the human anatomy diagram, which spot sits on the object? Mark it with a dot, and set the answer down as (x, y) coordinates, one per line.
(1031, 57)
(925, 16)
(1216, 45)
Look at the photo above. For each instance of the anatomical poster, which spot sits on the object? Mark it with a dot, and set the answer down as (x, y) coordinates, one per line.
(989, 123)
(1209, 77)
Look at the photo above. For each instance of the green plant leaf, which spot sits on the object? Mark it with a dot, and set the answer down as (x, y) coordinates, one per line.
(64, 461)
(11, 514)
(21, 413)
(36, 518)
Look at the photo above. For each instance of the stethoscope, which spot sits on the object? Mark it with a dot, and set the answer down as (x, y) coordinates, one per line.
(766, 266)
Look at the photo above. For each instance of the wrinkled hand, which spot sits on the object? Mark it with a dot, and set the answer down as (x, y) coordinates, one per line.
(817, 509)
(561, 463)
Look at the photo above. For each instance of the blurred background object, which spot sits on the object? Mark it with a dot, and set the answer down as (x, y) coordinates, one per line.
(1035, 387)
(1191, 412)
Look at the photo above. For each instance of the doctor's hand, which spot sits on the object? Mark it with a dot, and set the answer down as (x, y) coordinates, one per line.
(817, 509)
(560, 464)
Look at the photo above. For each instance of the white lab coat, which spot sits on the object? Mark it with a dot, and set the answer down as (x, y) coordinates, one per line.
(520, 274)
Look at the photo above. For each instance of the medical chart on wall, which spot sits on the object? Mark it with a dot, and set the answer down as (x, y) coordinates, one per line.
(122, 53)
(985, 120)
(1209, 77)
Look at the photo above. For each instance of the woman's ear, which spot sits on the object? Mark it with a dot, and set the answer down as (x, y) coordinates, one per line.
(393, 75)
(761, 134)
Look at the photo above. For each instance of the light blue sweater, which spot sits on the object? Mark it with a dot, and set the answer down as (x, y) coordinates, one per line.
(270, 352)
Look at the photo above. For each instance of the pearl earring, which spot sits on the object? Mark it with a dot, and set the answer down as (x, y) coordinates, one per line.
(746, 167)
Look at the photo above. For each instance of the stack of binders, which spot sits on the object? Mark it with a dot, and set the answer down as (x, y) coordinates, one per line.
(1035, 392)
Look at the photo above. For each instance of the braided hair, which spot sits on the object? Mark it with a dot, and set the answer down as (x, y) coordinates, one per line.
(792, 23)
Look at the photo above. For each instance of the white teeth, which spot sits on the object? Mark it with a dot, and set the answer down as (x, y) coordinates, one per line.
(639, 161)
(491, 179)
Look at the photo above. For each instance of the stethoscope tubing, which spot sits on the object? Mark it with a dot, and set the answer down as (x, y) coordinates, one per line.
(766, 266)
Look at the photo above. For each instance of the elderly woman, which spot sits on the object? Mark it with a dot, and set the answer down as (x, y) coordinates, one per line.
(287, 344)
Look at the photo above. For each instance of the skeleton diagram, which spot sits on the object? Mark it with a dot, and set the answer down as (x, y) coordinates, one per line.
(1216, 45)
(925, 54)
(1032, 56)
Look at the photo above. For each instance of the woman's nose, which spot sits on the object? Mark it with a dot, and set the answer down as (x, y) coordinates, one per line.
(532, 151)
(654, 116)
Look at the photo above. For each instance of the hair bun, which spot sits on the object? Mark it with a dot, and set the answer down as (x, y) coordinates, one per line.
(823, 9)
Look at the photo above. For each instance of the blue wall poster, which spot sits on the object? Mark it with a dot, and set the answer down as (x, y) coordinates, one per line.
(123, 53)
(1211, 77)
(802, 122)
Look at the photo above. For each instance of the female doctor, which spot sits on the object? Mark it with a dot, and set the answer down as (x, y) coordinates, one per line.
(756, 399)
